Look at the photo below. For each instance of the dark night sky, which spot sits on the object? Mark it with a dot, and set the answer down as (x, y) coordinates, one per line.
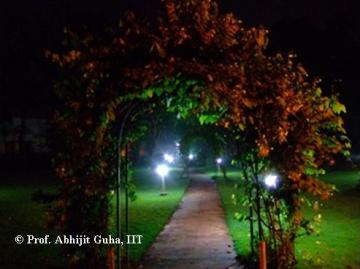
(325, 35)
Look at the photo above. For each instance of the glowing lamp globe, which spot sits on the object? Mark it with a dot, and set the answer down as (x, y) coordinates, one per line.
(191, 156)
(219, 160)
(162, 170)
(169, 158)
(271, 180)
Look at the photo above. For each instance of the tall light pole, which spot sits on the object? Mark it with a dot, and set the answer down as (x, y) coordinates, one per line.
(271, 181)
(162, 170)
(218, 164)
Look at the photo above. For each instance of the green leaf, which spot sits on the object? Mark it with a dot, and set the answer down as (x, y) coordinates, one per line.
(208, 119)
(309, 153)
(338, 107)
(346, 153)
(318, 92)
(238, 216)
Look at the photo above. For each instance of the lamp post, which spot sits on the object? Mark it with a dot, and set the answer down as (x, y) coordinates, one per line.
(177, 144)
(218, 164)
(162, 170)
(271, 181)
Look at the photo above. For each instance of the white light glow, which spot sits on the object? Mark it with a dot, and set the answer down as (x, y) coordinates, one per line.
(191, 156)
(169, 158)
(162, 170)
(219, 160)
(271, 180)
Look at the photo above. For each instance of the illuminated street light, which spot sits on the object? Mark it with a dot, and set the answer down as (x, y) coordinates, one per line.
(162, 170)
(271, 180)
(169, 158)
(191, 156)
(218, 163)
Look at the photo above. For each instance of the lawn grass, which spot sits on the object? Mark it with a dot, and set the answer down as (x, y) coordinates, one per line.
(337, 245)
(19, 215)
(150, 212)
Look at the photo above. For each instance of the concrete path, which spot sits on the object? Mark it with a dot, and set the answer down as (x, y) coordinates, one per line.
(196, 236)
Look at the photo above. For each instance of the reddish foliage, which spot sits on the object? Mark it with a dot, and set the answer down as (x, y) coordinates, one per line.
(270, 95)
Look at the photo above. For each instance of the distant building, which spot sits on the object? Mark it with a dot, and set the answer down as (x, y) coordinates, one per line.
(23, 136)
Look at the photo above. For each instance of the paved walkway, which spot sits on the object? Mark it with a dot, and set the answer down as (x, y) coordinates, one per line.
(196, 236)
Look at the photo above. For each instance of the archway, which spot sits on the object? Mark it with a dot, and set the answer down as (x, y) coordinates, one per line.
(193, 61)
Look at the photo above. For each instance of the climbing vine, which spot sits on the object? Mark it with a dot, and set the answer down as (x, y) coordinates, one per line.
(193, 61)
